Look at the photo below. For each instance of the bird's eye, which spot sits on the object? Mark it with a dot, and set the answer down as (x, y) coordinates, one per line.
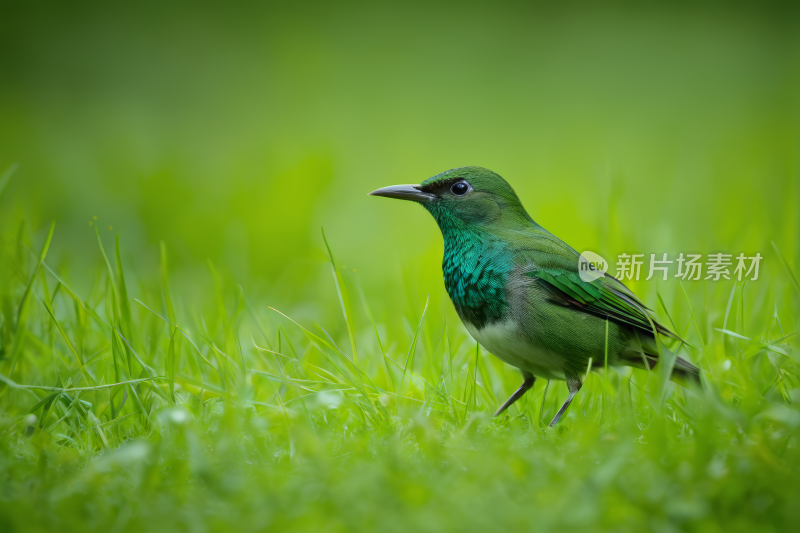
(460, 188)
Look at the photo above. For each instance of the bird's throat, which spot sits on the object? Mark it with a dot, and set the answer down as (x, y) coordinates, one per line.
(476, 270)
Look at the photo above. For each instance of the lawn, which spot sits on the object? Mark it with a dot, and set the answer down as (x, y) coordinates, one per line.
(206, 324)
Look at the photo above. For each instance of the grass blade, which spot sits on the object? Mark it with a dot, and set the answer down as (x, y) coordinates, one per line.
(28, 287)
(785, 263)
(124, 303)
(389, 373)
(411, 351)
(171, 363)
(165, 283)
(341, 290)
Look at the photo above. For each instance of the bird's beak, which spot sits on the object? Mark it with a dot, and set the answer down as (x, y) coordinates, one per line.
(404, 192)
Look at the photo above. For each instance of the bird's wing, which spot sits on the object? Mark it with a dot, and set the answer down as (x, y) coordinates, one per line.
(555, 265)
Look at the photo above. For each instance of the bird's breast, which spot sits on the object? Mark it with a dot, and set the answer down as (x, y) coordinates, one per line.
(476, 283)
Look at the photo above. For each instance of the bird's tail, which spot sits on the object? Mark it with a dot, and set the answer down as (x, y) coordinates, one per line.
(685, 371)
(647, 357)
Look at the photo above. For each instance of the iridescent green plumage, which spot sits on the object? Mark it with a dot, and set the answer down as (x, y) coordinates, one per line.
(474, 277)
(517, 288)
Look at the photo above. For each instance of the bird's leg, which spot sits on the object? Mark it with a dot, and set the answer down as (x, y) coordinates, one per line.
(526, 384)
(574, 385)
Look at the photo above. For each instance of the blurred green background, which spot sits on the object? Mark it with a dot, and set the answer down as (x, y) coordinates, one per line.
(234, 132)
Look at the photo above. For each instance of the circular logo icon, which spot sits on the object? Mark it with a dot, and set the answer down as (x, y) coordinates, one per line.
(591, 266)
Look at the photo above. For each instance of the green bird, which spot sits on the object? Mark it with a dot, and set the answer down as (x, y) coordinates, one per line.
(517, 288)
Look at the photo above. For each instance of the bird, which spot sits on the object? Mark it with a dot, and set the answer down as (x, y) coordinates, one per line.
(518, 291)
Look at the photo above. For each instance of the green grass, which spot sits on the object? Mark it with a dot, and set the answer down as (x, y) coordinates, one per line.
(148, 412)
(220, 365)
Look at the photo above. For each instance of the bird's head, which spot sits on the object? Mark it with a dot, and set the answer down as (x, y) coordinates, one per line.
(472, 196)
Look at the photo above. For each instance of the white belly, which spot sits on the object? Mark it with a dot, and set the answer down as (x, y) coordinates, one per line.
(504, 340)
